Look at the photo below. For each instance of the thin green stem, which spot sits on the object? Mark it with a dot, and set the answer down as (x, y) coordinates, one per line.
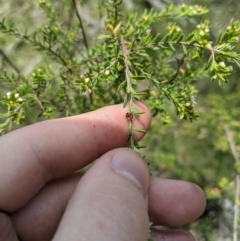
(39, 103)
(9, 61)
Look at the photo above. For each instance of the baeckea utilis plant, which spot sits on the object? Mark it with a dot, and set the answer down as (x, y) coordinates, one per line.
(129, 60)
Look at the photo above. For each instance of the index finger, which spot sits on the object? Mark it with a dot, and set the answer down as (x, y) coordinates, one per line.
(31, 156)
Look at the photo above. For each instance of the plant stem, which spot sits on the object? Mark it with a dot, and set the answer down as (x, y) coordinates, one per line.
(127, 71)
(234, 151)
(129, 94)
(80, 23)
(8, 60)
(39, 103)
(180, 63)
(84, 38)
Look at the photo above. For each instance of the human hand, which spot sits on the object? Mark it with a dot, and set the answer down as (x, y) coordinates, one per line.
(40, 197)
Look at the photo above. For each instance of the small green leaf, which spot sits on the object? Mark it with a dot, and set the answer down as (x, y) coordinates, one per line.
(121, 86)
(2, 126)
(135, 143)
(219, 37)
(133, 81)
(128, 89)
(172, 47)
(132, 144)
(184, 49)
(125, 101)
(139, 94)
(5, 115)
(139, 77)
(134, 110)
(140, 130)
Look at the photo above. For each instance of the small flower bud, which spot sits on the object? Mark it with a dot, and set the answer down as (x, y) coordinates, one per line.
(208, 46)
(87, 80)
(145, 18)
(16, 95)
(107, 72)
(222, 64)
(8, 95)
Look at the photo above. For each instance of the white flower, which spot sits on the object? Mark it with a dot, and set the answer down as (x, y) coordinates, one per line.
(87, 80)
(8, 94)
(107, 72)
(20, 99)
(229, 28)
(16, 95)
(222, 64)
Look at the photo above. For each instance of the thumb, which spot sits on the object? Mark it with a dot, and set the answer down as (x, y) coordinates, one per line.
(109, 202)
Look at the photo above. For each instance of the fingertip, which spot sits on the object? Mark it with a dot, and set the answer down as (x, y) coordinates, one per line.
(130, 165)
(110, 125)
(175, 203)
(108, 197)
(200, 198)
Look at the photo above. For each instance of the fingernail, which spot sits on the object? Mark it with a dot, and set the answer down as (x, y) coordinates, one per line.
(130, 165)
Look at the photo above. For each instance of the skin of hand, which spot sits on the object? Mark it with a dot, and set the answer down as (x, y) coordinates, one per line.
(42, 197)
